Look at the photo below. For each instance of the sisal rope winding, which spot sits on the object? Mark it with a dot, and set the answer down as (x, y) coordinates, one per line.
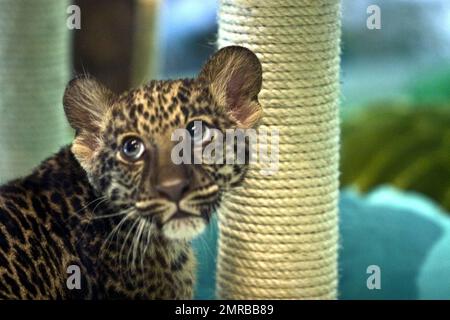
(279, 233)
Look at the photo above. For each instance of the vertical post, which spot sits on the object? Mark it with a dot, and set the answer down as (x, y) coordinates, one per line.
(279, 233)
(34, 69)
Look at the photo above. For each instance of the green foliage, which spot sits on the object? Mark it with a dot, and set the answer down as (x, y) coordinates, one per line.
(432, 86)
(403, 146)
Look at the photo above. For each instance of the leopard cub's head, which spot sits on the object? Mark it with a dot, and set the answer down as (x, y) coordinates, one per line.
(130, 145)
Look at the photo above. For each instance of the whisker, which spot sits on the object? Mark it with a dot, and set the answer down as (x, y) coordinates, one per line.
(83, 219)
(115, 230)
(85, 206)
(147, 243)
(97, 217)
(88, 204)
(96, 206)
(109, 215)
(136, 243)
(125, 242)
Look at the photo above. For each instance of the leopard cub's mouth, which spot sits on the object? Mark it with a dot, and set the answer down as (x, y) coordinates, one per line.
(180, 214)
(183, 225)
(177, 221)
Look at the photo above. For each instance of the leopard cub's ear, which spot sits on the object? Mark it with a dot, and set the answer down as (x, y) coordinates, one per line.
(234, 75)
(85, 104)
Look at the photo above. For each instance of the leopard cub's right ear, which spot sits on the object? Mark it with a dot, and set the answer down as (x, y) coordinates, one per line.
(85, 104)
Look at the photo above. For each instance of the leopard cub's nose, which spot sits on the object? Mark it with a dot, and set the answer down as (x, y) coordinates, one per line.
(173, 189)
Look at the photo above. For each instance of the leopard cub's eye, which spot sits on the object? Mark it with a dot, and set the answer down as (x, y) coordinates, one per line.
(199, 131)
(132, 149)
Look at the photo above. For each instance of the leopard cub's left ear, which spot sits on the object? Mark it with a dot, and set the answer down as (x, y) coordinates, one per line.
(234, 75)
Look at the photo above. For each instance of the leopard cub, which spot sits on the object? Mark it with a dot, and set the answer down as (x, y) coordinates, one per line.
(114, 203)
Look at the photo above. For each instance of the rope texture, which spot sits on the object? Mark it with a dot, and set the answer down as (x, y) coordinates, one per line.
(34, 69)
(279, 233)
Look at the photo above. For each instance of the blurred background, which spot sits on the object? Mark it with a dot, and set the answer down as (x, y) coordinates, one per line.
(395, 103)
(395, 80)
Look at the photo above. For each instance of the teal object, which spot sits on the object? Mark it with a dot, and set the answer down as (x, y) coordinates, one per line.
(205, 248)
(405, 234)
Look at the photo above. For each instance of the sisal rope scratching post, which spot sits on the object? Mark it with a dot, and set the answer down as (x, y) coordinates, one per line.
(34, 69)
(279, 233)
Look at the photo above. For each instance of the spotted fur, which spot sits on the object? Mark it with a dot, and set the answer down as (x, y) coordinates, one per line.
(89, 206)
